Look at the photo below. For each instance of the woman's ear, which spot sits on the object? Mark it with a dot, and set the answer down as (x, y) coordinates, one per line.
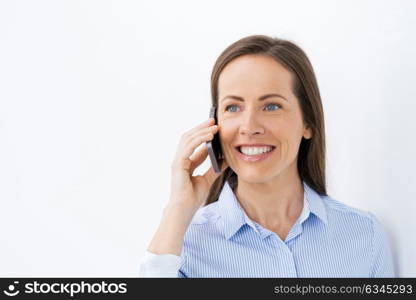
(307, 133)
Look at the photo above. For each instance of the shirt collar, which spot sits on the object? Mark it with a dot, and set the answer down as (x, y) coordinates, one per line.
(233, 216)
(316, 203)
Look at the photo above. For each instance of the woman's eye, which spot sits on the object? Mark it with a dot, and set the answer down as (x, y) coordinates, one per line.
(226, 109)
(273, 104)
(268, 105)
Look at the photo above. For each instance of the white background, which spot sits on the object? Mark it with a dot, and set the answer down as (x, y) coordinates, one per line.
(94, 96)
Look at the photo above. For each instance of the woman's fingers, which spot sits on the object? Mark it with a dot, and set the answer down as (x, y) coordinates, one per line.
(198, 158)
(204, 124)
(190, 143)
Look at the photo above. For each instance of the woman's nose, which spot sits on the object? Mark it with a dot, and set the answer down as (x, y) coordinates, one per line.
(250, 126)
(250, 132)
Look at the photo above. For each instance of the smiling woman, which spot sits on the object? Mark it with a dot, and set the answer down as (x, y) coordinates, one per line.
(277, 122)
(268, 213)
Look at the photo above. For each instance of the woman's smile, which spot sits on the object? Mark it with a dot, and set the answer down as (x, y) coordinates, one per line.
(255, 154)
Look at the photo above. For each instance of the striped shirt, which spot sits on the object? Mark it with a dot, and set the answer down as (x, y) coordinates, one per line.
(329, 239)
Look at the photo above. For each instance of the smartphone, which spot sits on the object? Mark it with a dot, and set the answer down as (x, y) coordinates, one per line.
(214, 146)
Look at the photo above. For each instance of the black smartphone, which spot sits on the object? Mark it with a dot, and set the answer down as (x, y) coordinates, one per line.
(214, 146)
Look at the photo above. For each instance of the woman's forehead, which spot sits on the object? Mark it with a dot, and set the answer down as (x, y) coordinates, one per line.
(254, 74)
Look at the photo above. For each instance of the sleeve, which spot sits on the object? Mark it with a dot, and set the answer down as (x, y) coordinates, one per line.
(382, 258)
(160, 265)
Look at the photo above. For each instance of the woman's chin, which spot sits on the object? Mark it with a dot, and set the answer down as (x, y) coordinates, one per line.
(252, 176)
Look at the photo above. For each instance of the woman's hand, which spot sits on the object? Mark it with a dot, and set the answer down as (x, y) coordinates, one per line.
(188, 192)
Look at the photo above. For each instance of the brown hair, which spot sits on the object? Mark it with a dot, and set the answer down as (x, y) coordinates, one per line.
(311, 156)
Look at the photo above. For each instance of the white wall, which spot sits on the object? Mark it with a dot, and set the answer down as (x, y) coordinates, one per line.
(94, 96)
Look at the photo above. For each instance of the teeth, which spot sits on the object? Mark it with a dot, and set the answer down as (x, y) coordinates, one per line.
(255, 150)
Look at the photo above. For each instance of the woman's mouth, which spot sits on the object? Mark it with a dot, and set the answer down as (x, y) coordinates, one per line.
(253, 154)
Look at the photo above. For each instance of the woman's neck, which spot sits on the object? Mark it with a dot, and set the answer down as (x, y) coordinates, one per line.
(273, 204)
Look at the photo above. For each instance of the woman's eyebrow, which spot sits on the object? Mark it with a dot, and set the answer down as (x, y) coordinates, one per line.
(264, 97)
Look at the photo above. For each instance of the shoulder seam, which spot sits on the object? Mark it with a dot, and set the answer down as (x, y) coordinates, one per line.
(348, 209)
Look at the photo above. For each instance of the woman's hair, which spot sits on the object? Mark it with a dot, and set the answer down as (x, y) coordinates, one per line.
(311, 156)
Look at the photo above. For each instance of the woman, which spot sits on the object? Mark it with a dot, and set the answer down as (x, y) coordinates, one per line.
(267, 214)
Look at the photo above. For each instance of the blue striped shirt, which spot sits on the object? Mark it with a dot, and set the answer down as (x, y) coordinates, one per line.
(329, 239)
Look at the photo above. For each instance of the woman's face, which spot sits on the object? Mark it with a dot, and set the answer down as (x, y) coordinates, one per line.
(273, 121)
